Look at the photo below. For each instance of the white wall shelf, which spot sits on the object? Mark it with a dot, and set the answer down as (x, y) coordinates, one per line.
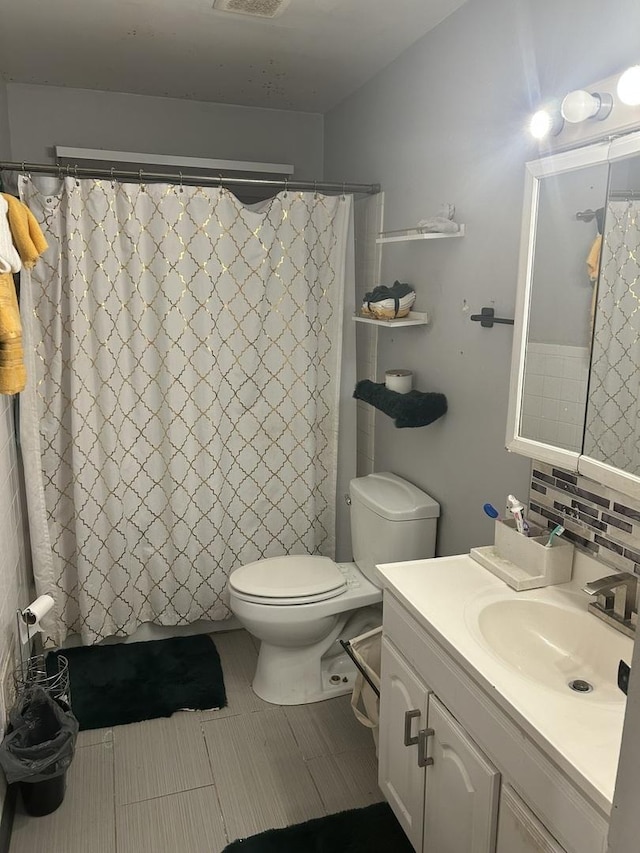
(414, 234)
(414, 318)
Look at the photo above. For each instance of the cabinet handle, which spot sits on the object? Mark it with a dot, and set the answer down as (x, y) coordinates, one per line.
(423, 747)
(410, 715)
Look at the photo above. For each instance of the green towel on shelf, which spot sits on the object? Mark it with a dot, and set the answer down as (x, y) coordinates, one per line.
(414, 409)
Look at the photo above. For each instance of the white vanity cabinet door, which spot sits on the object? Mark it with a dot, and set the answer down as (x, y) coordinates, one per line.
(403, 711)
(519, 830)
(462, 790)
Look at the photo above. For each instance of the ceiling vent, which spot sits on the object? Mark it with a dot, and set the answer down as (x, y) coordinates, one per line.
(257, 8)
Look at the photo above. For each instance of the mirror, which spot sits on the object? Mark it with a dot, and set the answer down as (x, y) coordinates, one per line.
(575, 386)
(612, 421)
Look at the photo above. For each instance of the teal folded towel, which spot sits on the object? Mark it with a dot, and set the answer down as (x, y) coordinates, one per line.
(413, 409)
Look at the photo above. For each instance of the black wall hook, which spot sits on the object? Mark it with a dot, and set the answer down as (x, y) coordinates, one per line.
(486, 318)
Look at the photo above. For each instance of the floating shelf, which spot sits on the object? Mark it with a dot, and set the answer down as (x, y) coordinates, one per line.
(414, 318)
(414, 234)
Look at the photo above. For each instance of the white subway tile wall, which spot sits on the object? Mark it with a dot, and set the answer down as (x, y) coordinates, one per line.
(368, 223)
(14, 558)
(554, 394)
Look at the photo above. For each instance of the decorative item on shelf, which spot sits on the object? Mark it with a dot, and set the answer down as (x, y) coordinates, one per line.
(388, 303)
(413, 409)
(400, 381)
(441, 223)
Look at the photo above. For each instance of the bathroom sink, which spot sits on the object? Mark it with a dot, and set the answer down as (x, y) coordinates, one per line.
(562, 648)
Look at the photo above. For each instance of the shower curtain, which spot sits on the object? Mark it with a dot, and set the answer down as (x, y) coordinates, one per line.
(181, 414)
(612, 432)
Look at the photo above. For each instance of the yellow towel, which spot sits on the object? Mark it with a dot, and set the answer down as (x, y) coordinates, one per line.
(27, 236)
(30, 243)
(593, 268)
(13, 376)
(10, 327)
(593, 258)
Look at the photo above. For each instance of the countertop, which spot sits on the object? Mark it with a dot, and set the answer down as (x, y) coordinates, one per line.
(580, 733)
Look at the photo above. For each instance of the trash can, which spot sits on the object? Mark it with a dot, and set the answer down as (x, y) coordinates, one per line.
(365, 699)
(38, 749)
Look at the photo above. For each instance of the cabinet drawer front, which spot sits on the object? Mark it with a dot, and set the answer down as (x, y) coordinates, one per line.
(519, 830)
(571, 818)
(403, 712)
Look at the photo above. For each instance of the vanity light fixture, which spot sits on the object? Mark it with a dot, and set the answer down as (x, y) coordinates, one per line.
(545, 122)
(628, 88)
(581, 105)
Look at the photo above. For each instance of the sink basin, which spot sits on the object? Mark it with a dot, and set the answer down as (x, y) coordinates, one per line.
(556, 646)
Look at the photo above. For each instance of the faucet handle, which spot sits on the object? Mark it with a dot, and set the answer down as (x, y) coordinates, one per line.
(622, 587)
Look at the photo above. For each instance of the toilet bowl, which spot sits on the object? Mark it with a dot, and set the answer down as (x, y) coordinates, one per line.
(301, 606)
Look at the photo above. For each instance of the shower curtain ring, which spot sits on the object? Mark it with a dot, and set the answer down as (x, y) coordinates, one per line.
(75, 172)
(113, 185)
(59, 172)
(315, 189)
(286, 187)
(344, 184)
(181, 187)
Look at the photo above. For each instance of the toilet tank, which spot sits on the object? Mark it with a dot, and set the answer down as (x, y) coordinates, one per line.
(391, 520)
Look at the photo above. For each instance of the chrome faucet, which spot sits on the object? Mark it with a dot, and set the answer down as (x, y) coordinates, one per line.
(616, 601)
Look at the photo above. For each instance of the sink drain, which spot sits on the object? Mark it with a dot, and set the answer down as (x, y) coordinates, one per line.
(580, 686)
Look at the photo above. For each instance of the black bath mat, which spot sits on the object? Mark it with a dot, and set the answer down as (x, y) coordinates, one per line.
(129, 682)
(373, 829)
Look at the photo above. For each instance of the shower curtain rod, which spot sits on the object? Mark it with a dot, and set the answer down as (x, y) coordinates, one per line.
(191, 180)
(622, 195)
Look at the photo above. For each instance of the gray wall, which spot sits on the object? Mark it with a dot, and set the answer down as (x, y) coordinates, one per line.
(44, 116)
(446, 122)
(5, 147)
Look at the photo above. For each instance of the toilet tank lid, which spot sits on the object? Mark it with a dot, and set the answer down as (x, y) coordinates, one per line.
(391, 497)
(293, 576)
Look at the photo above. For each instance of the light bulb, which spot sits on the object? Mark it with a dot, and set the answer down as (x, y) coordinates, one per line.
(629, 86)
(580, 105)
(543, 123)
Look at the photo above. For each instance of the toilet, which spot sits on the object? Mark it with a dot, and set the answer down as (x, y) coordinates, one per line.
(300, 606)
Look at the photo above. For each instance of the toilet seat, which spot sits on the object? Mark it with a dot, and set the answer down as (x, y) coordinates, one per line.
(294, 579)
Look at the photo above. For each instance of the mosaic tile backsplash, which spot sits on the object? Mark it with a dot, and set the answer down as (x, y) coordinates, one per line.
(600, 521)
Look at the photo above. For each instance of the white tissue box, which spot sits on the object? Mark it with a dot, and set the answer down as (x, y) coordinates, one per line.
(524, 562)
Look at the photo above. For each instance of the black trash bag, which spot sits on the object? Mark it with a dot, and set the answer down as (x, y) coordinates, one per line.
(41, 741)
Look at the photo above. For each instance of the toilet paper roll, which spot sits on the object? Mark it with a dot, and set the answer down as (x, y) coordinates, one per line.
(31, 616)
(397, 380)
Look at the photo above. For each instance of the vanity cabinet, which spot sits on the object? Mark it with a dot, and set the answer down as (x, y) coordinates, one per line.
(460, 775)
(519, 831)
(440, 786)
(403, 708)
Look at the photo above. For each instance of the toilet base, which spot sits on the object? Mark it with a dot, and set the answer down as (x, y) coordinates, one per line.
(298, 683)
(298, 676)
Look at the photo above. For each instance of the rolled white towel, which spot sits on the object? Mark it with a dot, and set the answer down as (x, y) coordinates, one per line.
(9, 257)
(439, 225)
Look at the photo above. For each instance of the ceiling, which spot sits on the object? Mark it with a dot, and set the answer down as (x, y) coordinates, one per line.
(309, 58)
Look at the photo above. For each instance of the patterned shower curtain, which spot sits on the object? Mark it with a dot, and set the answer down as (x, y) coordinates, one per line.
(612, 432)
(181, 412)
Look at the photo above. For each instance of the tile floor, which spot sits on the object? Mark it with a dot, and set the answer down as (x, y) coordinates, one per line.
(195, 781)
